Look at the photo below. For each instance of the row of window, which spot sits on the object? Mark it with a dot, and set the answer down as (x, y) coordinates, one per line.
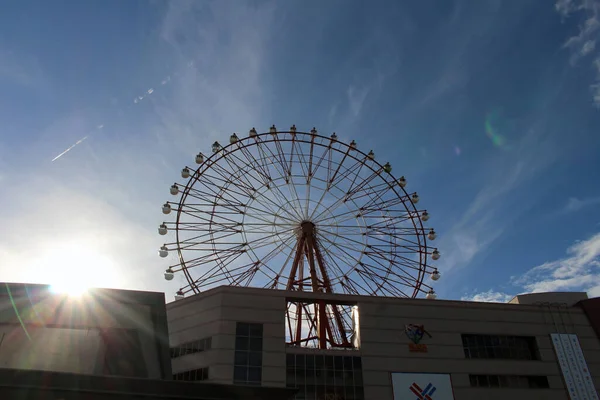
(500, 347)
(509, 381)
(191, 347)
(200, 374)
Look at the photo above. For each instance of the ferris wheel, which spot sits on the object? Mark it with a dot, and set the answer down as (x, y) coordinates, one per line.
(299, 211)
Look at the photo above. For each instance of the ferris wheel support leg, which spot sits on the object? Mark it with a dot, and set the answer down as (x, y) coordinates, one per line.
(323, 322)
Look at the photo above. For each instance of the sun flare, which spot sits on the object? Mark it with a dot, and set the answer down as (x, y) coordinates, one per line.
(74, 267)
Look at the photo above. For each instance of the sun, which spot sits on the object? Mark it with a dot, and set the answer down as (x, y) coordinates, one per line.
(72, 290)
(74, 267)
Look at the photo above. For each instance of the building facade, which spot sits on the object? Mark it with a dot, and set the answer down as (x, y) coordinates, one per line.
(105, 344)
(407, 348)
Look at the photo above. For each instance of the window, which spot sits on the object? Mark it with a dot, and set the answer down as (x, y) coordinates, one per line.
(200, 374)
(501, 347)
(509, 381)
(325, 376)
(191, 347)
(247, 363)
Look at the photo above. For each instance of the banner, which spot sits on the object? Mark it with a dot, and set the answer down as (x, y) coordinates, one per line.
(422, 386)
(573, 367)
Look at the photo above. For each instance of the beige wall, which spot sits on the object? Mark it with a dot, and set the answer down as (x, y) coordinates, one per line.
(384, 346)
(215, 314)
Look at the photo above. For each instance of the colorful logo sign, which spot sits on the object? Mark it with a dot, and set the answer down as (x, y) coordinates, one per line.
(421, 386)
(415, 332)
(423, 394)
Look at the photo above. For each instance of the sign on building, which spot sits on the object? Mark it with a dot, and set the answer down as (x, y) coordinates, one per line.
(422, 386)
(573, 366)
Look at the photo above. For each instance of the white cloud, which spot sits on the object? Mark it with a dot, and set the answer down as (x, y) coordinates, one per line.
(490, 296)
(579, 270)
(575, 204)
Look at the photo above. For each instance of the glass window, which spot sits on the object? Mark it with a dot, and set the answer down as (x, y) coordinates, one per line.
(255, 359)
(200, 374)
(508, 381)
(240, 374)
(254, 374)
(191, 347)
(241, 358)
(329, 374)
(255, 330)
(255, 344)
(242, 329)
(242, 343)
(500, 347)
(248, 354)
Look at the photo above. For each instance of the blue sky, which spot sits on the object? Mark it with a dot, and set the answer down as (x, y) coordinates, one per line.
(491, 109)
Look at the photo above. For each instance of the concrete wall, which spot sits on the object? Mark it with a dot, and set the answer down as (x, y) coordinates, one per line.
(46, 331)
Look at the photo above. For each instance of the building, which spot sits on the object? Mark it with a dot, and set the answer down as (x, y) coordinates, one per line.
(106, 344)
(407, 348)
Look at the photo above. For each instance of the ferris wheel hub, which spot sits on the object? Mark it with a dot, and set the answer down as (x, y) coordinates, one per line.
(308, 228)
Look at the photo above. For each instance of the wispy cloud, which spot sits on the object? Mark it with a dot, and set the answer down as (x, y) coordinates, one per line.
(221, 57)
(21, 69)
(584, 43)
(574, 204)
(579, 270)
(488, 213)
(356, 98)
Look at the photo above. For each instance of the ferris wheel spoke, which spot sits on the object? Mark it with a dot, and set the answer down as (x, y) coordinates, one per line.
(385, 269)
(273, 186)
(412, 264)
(386, 279)
(296, 198)
(326, 151)
(345, 239)
(331, 261)
(281, 171)
(343, 253)
(240, 175)
(283, 267)
(282, 160)
(366, 190)
(244, 186)
(301, 158)
(345, 174)
(219, 270)
(292, 184)
(262, 157)
(366, 278)
(331, 179)
(255, 166)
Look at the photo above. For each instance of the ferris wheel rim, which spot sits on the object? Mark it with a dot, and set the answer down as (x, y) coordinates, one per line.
(300, 137)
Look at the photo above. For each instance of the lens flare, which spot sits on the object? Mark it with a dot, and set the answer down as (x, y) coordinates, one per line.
(491, 131)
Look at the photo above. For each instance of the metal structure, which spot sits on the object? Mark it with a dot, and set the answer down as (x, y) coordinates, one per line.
(301, 212)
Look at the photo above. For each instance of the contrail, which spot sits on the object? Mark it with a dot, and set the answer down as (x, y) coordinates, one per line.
(67, 150)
